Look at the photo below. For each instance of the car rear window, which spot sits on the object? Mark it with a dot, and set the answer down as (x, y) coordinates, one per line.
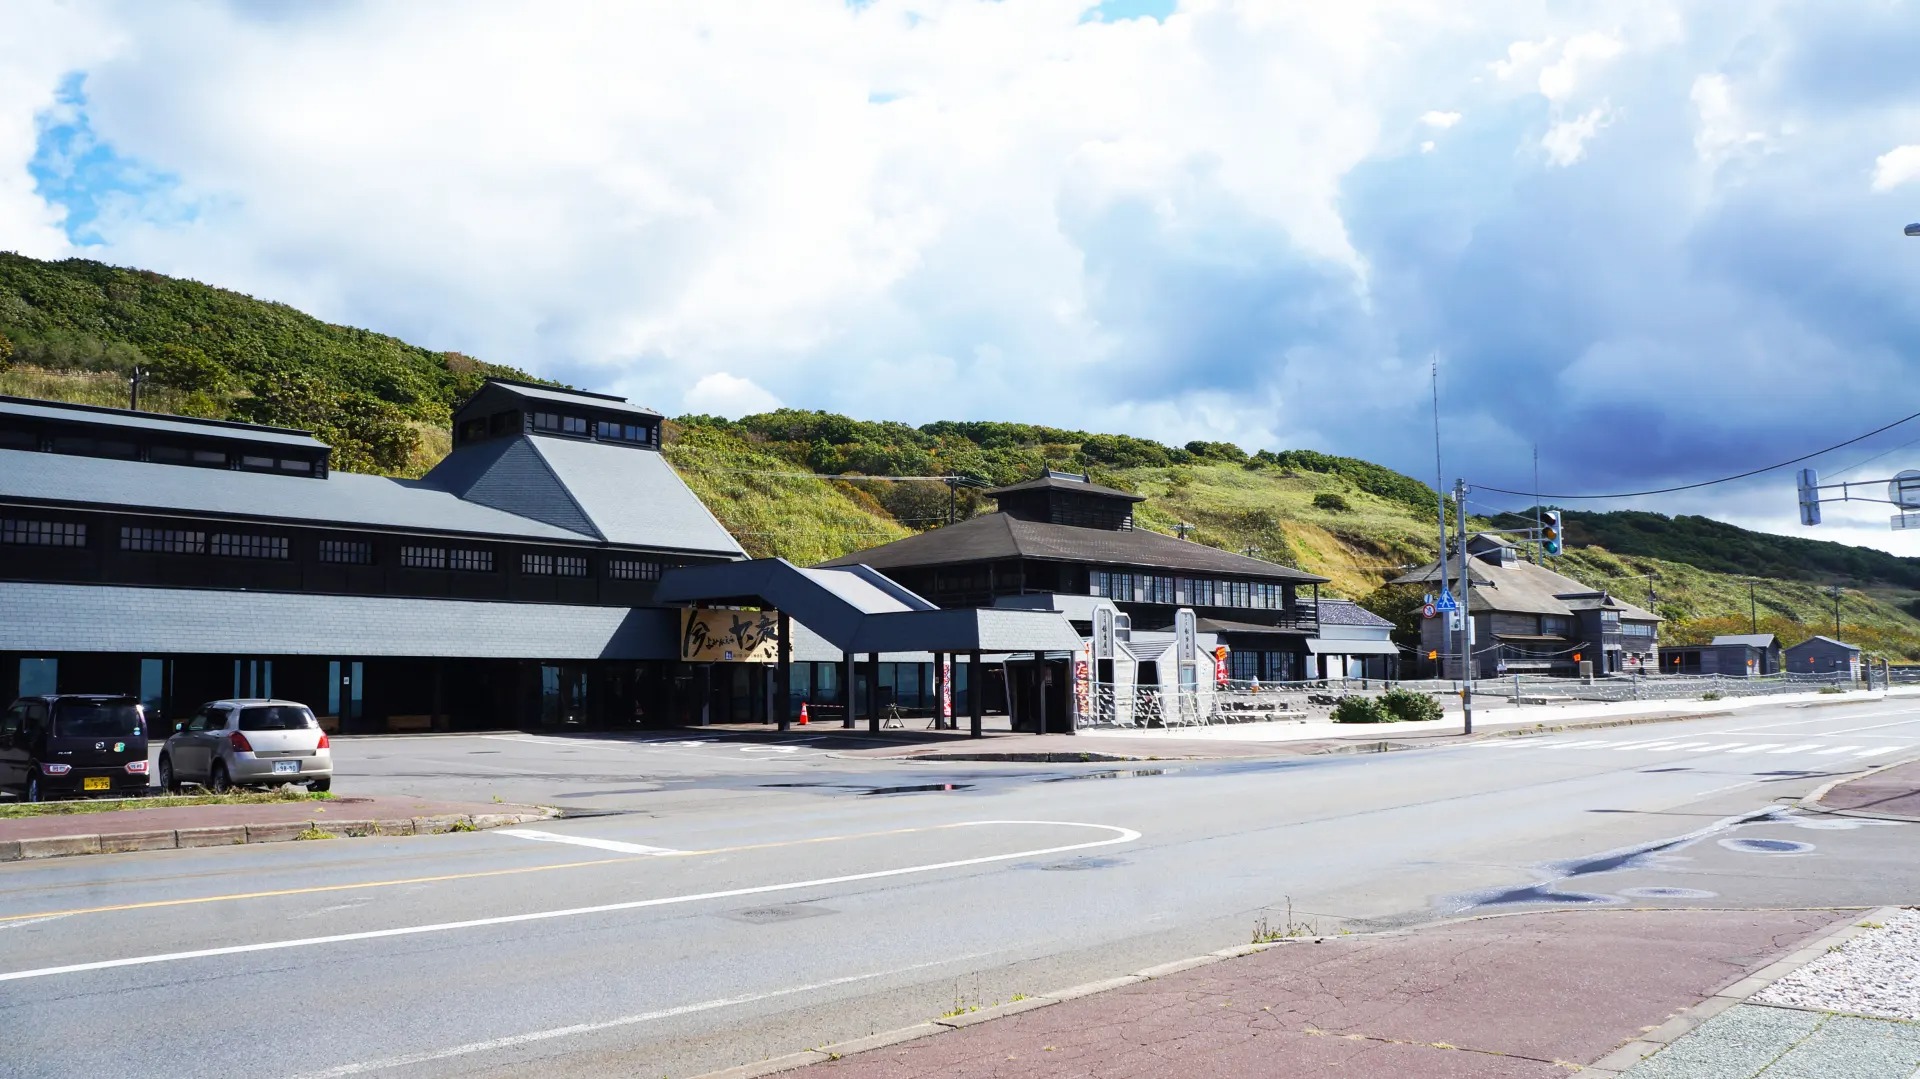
(276, 717)
(97, 719)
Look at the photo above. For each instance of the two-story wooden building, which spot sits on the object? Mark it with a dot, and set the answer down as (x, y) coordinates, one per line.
(1061, 542)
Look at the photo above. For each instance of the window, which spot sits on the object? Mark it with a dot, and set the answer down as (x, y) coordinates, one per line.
(250, 461)
(625, 432)
(627, 569)
(470, 560)
(43, 533)
(162, 540)
(293, 464)
(1556, 625)
(570, 565)
(539, 565)
(347, 552)
(423, 557)
(246, 545)
(277, 717)
(550, 421)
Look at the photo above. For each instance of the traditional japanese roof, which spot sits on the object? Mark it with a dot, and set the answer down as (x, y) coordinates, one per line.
(133, 422)
(1524, 588)
(1345, 612)
(998, 535)
(1751, 640)
(1055, 482)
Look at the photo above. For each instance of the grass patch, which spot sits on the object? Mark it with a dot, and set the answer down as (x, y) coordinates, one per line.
(314, 832)
(71, 807)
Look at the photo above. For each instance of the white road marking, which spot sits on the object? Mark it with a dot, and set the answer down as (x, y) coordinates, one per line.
(1879, 750)
(1797, 749)
(32, 921)
(1836, 749)
(583, 841)
(1754, 748)
(1655, 746)
(1721, 746)
(1122, 835)
(1573, 745)
(513, 1040)
(1680, 746)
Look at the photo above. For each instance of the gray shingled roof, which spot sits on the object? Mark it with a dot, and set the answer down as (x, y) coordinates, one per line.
(100, 618)
(344, 498)
(574, 398)
(510, 475)
(134, 422)
(997, 535)
(1524, 588)
(1752, 640)
(1056, 483)
(633, 495)
(1345, 612)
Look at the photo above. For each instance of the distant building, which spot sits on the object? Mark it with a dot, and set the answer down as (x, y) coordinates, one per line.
(1353, 643)
(1824, 655)
(1734, 655)
(1527, 619)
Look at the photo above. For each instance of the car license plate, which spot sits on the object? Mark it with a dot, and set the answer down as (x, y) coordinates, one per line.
(284, 768)
(96, 783)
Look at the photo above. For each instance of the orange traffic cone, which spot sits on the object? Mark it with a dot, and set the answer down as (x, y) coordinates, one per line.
(803, 713)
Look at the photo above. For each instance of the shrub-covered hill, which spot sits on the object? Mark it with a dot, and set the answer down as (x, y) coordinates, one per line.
(212, 352)
(70, 330)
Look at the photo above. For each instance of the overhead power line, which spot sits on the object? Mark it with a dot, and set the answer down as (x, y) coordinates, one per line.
(823, 475)
(1709, 483)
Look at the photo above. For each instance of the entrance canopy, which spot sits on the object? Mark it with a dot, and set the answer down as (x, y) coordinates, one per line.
(857, 609)
(1352, 648)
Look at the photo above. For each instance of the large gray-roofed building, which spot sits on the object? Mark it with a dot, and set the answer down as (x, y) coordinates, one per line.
(69, 415)
(633, 498)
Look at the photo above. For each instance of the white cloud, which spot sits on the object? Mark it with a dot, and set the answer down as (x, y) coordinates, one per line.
(1583, 55)
(1566, 142)
(722, 394)
(1198, 227)
(1897, 166)
(1720, 129)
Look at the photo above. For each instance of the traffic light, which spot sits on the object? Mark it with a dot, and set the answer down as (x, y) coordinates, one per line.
(1550, 532)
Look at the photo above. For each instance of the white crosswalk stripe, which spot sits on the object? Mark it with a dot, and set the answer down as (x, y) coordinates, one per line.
(1669, 746)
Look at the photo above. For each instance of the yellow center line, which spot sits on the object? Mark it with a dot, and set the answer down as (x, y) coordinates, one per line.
(477, 874)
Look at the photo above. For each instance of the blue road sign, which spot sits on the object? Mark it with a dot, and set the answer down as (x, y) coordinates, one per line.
(1446, 602)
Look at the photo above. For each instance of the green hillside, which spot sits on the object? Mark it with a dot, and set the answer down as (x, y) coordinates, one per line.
(70, 330)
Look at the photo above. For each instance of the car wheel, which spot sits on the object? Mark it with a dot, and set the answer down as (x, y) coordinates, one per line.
(319, 786)
(169, 782)
(219, 782)
(34, 792)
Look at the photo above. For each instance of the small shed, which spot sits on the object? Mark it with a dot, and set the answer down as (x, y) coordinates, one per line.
(1824, 655)
(1748, 653)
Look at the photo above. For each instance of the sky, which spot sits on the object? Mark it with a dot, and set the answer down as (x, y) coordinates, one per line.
(1658, 239)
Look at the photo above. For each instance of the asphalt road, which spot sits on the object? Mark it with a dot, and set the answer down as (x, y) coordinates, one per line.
(725, 904)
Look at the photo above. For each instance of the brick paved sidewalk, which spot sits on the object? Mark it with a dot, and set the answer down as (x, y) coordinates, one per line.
(1522, 997)
(1890, 792)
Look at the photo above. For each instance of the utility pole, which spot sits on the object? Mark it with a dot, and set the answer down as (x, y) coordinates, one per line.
(1836, 592)
(1753, 609)
(1465, 599)
(134, 380)
(1440, 498)
(1539, 557)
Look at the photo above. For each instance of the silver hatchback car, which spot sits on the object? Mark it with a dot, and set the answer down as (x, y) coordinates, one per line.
(248, 742)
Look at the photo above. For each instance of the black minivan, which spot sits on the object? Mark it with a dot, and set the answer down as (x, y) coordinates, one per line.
(72, 743)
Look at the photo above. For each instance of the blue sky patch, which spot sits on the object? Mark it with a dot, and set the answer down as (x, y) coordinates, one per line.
(1116, 10)
(73, 169)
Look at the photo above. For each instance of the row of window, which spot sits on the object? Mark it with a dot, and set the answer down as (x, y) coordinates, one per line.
(1187, 591)
(348, 552)
(554, 421)
(159, 453)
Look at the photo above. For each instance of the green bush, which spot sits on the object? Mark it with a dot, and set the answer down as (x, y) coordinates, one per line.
(1712, 695)
(1358, 709)
(1330, 501)
(1408, 706)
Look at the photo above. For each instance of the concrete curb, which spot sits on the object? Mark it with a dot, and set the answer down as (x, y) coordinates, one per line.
(1618, 1061)
(1811, 802)
(225, 835)
(1644, 1045)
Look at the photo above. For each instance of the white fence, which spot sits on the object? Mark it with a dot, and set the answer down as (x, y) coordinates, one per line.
(1139, 706)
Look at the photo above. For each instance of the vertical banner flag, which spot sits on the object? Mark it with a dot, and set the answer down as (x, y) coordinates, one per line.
(1220, 665)
(1083, 683)
(946, 686)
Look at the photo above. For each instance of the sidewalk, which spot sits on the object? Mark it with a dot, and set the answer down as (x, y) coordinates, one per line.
(1891, 793)
(167, 828)
(1527, 996)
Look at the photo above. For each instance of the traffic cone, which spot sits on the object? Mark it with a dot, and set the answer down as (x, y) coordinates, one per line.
(803, 713)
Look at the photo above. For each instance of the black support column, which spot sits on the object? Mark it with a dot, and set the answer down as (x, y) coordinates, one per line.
(847, 682)
(873, 692)
(783, 675)
(976, 692)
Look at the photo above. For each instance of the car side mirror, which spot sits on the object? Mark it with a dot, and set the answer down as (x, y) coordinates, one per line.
(178, 727)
